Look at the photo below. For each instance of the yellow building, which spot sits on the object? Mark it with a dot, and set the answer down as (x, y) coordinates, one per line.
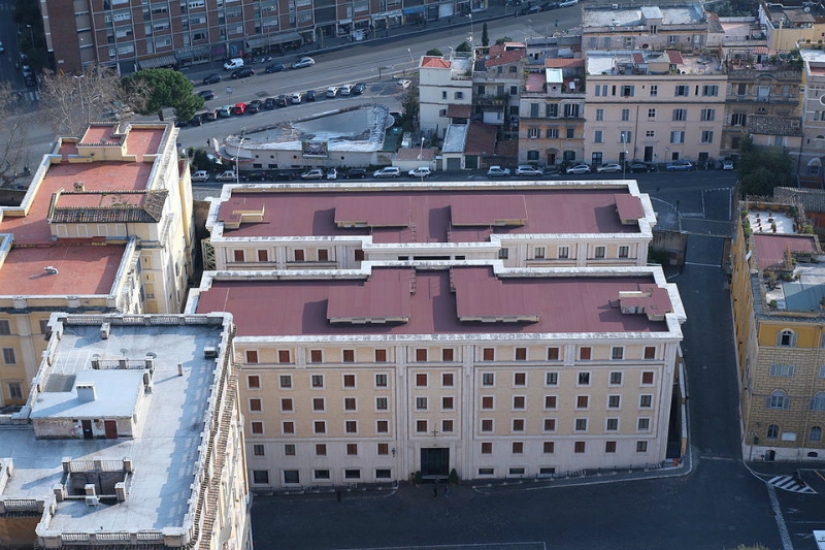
(778, 289)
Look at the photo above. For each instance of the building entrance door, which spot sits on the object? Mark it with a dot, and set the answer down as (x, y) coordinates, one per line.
(111, 429)
(435, 463)
(87, 429)
(648, 153)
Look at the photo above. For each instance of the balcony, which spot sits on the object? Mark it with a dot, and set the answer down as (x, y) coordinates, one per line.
(492, 100)
(773, 99)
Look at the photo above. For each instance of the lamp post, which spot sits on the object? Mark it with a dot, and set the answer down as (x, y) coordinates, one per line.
(238, 159)
(624, 154)
(412, 61)
(31, 36)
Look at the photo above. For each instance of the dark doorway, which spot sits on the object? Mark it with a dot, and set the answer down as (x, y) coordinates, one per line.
(435, 463)
(111, 429)
(770, 455)
(648, 153)
(87, 429)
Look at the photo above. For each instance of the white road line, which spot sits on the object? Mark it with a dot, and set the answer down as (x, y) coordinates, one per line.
(702, 265)
(780, 520)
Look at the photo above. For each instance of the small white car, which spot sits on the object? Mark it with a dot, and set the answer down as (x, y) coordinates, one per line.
(200, 175)
(303, 62)
(387, 172)
(227, 176)
(313, 174)
(498, 172)
(578, 169)
(297, 98)
(611, 168)
(346, 89)
(727, 165)
(403, 84)
(420, 172)
(528, 170)
(332, 174)
(332, 91)
(233, 64)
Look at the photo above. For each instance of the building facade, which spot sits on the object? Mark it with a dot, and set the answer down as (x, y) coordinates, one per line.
(175, 483)
(461, 366)
(445, 92)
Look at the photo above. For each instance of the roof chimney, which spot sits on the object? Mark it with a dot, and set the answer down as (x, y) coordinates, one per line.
(86, 391)
(79, 186)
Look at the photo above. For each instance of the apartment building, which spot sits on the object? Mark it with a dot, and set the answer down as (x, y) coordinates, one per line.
(372, 374)
(653, 106)
(552, 112)
(445, 91)
(787, 25)
(131, 438)
(137, 34)
(813, 114)
(104, 227)
(525, 224)
(778, 289)
(497, 77)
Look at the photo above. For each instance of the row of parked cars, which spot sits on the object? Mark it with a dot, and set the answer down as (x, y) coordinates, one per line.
(636, 166)
(229, 176)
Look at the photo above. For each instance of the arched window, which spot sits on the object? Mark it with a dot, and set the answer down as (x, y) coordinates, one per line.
(816, 434)
(818, 402)
(786, 338)
(819, 141)
(773, 431)
(778, 400)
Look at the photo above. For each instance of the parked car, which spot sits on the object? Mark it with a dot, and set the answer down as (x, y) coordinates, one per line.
(346, 89)
(212, 79)
(497, 172)
(313, 174)
(225, 111)
(639, 166)
(207, 94)
(297, 97)
(528, 170)
(611, 168)
(359, 88)
(332, 91)
(568, 3)
(403, 84)
(357, 173)
(303, 62)
(727, 165)
(239, 109)
(578, 169)
(387, 172)
(195, 121)
(232, 64)
(200, 175)
(420, 172)
(269, 103)
(274, 68)
(244, 72)
(227, 176)
(332, 174)
(529, 10)
(254, 106)
(310, 95)
(679, 165)
(253, 175)
(281, 101)
(547, 6)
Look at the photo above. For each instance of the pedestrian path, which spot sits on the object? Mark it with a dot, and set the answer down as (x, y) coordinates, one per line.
(790, 483)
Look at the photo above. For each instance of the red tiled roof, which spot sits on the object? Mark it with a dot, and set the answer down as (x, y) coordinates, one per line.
(481, 139)
(563, 63)
(770, 249)
(535, 82)
(412, 153)
(82, 269)
(435, 63)
(294, 214)
(440, 298)
(486, 210)
(675, 57)
(508, 56)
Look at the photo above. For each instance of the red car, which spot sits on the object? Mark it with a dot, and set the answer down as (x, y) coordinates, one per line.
(240, 108)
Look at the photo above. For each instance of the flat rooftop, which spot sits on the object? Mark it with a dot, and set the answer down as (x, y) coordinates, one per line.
(631, 64)
(604, 16)
(458, 301)
(81, 270)
(404, 215)
(170, 427)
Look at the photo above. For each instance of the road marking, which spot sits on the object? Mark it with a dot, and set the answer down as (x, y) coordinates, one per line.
(701, 264)
(780, 520)
(820, 475)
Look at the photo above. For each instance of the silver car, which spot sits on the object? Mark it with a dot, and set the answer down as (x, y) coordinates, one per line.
(578, 169)
(528, 170)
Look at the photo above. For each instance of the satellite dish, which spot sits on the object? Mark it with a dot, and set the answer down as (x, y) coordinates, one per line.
(807, 9)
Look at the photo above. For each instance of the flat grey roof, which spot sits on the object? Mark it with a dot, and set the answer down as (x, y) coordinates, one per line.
(169, 427)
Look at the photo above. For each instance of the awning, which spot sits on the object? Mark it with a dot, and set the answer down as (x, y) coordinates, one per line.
(258, 42)
(157, 62)
(416, 9)
(286, 37)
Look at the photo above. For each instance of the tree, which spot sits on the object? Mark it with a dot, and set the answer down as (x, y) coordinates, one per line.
(410, 106)
(13, 133)
(464, 47)
(763, 168)
(151, 90)
(71, 102)
(502, 40)
(485, 38)
(434, 51)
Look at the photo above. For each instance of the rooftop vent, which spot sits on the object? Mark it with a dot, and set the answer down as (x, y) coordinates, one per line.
(50, 270)
(92, 500)
(79, 186)
(86, 391)
(210, 352)
(105, 328)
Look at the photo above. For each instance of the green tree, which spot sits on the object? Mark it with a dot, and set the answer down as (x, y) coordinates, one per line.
(151, 90)
(502, 40)
(763, 168)
(410, 107)
(464, 47)
(485, 38)
(434, 51)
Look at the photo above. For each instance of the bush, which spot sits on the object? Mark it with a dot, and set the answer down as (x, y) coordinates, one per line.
(453, 477)
(418, 479)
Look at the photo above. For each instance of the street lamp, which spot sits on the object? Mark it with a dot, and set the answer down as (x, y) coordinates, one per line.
(31, 36)
(409, 51)
(421, 149)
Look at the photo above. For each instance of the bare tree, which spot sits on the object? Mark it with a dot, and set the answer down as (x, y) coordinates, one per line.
(71, 102)
(13, 133)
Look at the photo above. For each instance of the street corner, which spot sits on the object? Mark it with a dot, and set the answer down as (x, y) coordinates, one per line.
(814, 478)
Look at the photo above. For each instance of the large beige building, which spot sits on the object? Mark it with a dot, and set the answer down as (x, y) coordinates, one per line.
(131, 438)
(525, 224)
(104, 227)
(653, 106)
(372, 374)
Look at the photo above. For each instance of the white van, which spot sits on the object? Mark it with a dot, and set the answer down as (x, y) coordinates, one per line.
(233, 64)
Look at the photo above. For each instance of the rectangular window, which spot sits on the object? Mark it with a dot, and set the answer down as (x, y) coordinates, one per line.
(421, 426)
(353, 473)
(597, 137)
(447, 426)
(383, 449)
(564, 252)
(317, 380)
(380, 380)
(549, 447)
(350, 404)
(550, 401)
(679, 115)
(651, 113)
(645, 401)
(284, 356)
(616, 353)
(518, 447)
(488, 379)
(710, 90)
(650, 352)
(533, 133)
(486, 448)
(318, 404)
(5, 328)
(487, 402)
(650, 133)
(319, 427)
(421, 380)
(263, 256)
(599, 115)
(260, 477)
(627, 91)
(552, 133)
(579, 447)
(251, 356)
(323, 255)
(316, 356)
(654, 90)
(320, 449)
(287, 427)
(518, 402)
(641, 446)
(647, 378)
(447, 403)
(585, 353)
(254, 382)
(553, 354)
(708, 115)
(380, 356)
(257, 427)
(421, 355)
(487, 425)
(616, 378)
(259, 450)
(321, 474)
(421, 403)
(381, 403)
(382, 426)
(539, 252)
(299, 255)
(614, 401)
(677, 136)
(521, 355)
(448, 354)
(551, 379)
(612, 424)
(551, 110)
(609, 447)
(458, 95)
(624, 251)
(582, 401)
(447, 380)
(349, 380)
(682, 91)
(625, 115)
(584, 379)
(352, 449)
(348, 355)
(581, 425)
(643, 424)
(289, 449)
(707, 136)
(351, 426)
(599, 252)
